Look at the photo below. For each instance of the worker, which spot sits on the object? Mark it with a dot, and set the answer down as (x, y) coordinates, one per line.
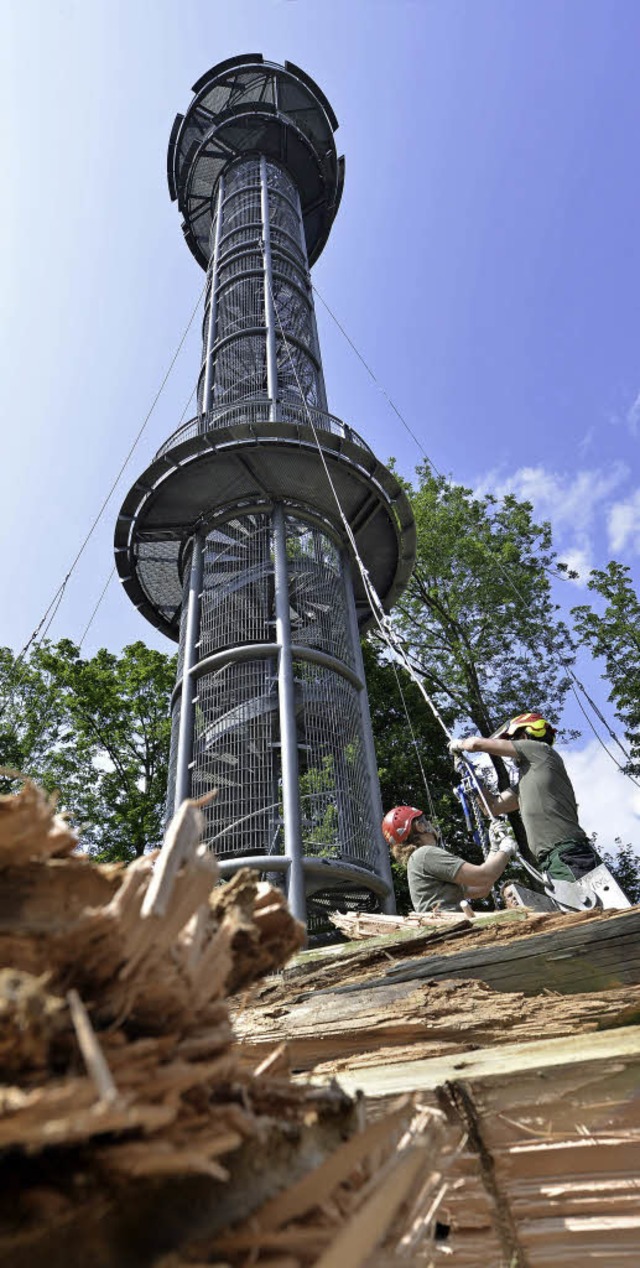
(544, 795)
(438, 878)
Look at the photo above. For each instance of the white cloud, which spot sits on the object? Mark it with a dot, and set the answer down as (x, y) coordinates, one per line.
(633, 416)
(578, 559)
(623, 523)
(608, 802)
(573, 502)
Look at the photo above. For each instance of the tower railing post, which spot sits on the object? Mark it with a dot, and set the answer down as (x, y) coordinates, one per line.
(288, 730)
(384, 869)
(269, 313)
(207, 391)
(185, 725)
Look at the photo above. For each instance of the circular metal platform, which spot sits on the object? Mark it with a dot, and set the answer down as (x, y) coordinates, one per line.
(254, 464)
(247, 106)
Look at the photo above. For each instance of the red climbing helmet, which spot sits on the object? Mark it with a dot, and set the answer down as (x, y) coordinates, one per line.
(396, 824)
(534, 725)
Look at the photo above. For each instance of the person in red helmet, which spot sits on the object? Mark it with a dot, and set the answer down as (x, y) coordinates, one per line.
(438, 878)
(544, 795)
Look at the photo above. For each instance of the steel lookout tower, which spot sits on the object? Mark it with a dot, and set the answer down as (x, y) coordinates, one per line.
(232, 542)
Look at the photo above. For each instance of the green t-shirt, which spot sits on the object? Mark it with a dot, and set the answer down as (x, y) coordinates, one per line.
(431, 872)
(547, 800)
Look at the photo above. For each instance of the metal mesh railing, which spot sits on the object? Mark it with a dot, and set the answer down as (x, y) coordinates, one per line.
(237, 596)
(234, 751)
(242, 175)
(173, 759)
(334, 786)
(241, 305)
(255, 410)
(317, 599)
(344, 899)
(281, 183)
(294, 311)
(240, 369)
(298, 378)
(183, 624)
(239, 346)
(283, 215)
(156, 564)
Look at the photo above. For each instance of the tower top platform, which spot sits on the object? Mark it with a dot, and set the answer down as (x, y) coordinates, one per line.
(246, 106)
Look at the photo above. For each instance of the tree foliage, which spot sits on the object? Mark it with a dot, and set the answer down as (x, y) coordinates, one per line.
(625, 866)
(401, 779)
(478, 618)
(614, 634)
(98, 731)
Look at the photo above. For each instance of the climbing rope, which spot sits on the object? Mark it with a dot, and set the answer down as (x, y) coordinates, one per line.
(47, 619)
(577, 685)
(41, 630)
(382, 621)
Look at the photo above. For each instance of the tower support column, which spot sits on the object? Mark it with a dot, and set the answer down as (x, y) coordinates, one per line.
(185, 725)
(288, 729)
(258, 598)
(384, 869)
(207, 393)
(269, 311)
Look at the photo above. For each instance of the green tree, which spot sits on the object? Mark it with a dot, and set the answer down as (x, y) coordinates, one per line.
(478, 617)
(625, 866)
(98, 731)
(478, 620)
(614, 635)
(401, 779)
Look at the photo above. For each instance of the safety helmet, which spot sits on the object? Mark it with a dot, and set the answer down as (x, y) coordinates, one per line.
(534, 725)
(396, 824)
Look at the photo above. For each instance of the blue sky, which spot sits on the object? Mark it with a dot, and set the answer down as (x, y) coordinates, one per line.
(485, 260)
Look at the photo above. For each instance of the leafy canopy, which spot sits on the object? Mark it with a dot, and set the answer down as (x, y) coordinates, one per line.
(478, 618)
(614, 634)
(98, 731)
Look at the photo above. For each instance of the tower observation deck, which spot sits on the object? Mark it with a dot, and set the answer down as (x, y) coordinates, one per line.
(232, 541)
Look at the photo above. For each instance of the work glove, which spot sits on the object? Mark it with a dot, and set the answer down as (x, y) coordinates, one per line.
(455, 746)
(502, 838)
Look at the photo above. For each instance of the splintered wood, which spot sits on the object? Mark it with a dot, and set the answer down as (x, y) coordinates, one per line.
(131, 1133)
(168, 1095)
(524, 1030)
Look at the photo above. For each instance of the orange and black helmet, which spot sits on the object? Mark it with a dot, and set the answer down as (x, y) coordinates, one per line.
(533, 724)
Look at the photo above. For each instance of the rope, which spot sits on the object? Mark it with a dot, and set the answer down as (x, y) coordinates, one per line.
(414, 741)
(113, 571)
(57, 598)
(379, 385)
(96, 608)
(387, 633)
(577, 685)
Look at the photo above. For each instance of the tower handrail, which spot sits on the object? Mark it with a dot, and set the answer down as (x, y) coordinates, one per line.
(256, 411)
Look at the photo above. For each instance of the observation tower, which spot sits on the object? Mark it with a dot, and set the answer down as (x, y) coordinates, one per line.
(233, 540)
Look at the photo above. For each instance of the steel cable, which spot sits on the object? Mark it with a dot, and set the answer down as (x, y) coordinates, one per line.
(576, 683)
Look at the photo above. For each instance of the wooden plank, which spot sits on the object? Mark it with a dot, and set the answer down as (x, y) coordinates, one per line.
(587, 956)
(367, 1026)
(558, 1147)
(509, 1062)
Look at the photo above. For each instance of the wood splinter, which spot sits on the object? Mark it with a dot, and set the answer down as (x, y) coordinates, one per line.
(180, 843)
(92, 1053)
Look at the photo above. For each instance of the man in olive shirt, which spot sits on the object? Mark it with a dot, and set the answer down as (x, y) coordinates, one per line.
(437, 878)
(544, 795)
